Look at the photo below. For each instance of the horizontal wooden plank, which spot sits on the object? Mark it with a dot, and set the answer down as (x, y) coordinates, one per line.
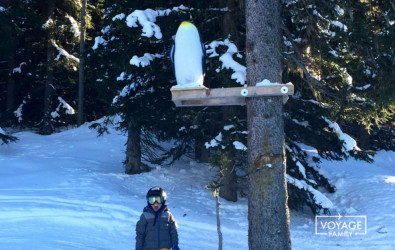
(226, 96)
(210, 102)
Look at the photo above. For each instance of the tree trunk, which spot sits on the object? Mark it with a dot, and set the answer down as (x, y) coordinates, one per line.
(228, 182)
(363, 138)
(10, 105)
(268, 213)
(228, 26)
(46, 126)
(133, 149)
(81, 67)
(201, 152)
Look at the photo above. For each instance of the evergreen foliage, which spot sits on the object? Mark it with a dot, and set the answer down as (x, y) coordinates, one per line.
(23, 57)
(331, 72)
(5, 139)
(136, 70)
(338, 54)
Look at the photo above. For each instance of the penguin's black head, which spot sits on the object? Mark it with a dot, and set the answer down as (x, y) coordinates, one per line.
(185, 15)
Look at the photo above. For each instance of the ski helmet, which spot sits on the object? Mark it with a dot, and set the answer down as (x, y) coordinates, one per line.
(157, 191)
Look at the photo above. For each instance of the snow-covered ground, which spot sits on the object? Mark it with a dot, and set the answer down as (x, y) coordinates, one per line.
(68, 191)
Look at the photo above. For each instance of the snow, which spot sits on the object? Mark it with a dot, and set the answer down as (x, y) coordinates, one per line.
(106, 29)
(288, 43)
(340, 25)
(239, 146)
(124, 92)
(363, 87)
(145, 60)
(333, 53)
(2, 131)
(62, 103)
(146, 18)
(214, 142)
(18, 70)
(47, 23)
(227, 59)
(302, 170)
(348, 142)
(318, 196)
(64, 53)
(388, 179)
(99, 40)
(121, 77)
(347, 76)
(228, 127)
(18, 112)
(68, 191)
(339, 11)
(266, 82)
(119, 17)
(2, 9)
(181, 7)
(74, 26)
(304, 123)
(357, 98)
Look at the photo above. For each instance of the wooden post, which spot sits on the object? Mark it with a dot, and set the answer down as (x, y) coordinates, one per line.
(268, 214)
(188, 97)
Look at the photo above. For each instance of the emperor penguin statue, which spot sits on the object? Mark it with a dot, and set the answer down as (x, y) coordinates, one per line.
(188, 54)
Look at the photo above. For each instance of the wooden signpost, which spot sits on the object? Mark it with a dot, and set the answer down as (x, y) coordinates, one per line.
(189, 97)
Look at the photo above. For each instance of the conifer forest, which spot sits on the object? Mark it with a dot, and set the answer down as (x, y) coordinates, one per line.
(64, 63)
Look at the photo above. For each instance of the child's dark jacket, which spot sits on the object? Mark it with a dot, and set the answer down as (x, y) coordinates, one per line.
(156, 230)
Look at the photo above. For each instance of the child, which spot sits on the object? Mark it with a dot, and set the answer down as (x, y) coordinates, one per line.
(157, 228)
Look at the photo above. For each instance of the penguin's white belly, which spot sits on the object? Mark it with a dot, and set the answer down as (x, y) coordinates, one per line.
(188, 57)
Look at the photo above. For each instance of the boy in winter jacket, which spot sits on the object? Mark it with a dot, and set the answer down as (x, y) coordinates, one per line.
(157, 228)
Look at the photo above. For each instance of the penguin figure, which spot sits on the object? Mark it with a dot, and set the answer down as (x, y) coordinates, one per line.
(188, 54)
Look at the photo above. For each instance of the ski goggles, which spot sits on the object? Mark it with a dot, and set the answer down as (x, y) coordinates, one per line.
(152, 199)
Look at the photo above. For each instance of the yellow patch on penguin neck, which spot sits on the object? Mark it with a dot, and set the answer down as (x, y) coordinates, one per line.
(187, 24)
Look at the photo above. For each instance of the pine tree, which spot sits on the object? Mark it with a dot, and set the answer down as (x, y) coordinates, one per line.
(136, 70)
(328, 55)
(16, 55)
(30, 48)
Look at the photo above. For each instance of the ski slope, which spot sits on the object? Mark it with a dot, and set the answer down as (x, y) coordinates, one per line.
(68, 191)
